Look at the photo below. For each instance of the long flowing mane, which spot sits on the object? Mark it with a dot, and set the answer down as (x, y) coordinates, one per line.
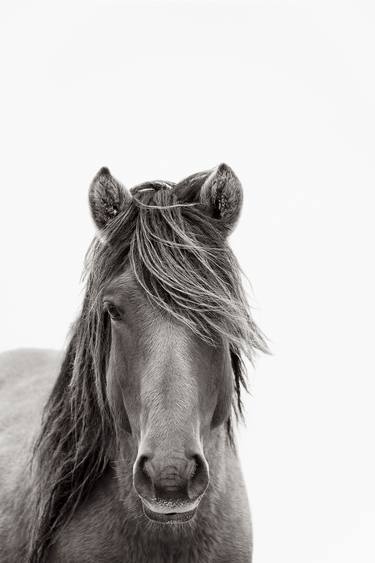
(180, 258)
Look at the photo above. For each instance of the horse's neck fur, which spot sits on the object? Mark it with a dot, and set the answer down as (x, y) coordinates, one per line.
(110, 525)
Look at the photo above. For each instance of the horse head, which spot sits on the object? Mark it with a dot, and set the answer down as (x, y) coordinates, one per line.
(169, 373)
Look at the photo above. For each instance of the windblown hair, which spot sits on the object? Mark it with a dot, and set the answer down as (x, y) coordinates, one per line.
(179, 256)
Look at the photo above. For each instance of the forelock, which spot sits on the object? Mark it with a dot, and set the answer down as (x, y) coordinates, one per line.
(180, 257)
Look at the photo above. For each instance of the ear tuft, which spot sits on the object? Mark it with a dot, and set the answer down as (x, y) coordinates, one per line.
(222, 194)
(107, 197)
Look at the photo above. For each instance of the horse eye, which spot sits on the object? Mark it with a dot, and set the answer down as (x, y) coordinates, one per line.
(113, 311)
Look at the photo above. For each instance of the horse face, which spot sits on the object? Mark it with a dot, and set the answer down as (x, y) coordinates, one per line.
(168, 389)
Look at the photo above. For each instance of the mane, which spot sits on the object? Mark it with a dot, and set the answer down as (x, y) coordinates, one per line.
(180, 258)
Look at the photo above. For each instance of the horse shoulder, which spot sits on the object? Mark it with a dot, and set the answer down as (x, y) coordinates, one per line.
(230, 498)
(26, 379)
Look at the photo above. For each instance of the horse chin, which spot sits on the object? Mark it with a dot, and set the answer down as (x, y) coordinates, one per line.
(169, 517)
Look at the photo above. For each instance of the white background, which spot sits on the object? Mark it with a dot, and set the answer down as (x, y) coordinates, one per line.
(283, 92)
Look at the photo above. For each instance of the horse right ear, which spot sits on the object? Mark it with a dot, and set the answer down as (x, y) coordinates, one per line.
(107, 197)
(222, 195)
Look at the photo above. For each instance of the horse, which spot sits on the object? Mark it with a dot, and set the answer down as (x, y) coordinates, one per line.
(122, 448)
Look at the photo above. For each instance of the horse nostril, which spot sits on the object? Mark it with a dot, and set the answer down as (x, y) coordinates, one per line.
(179, 477)
(198, 481)
(141, 478)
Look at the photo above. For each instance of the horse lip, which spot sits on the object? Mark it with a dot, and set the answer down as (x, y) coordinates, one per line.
(170, 507)
(169, 512)
(169, 517)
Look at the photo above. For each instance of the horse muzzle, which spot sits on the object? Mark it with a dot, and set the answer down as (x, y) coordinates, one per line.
(170, 491)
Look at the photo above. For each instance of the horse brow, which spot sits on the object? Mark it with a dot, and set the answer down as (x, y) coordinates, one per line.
(123, 284)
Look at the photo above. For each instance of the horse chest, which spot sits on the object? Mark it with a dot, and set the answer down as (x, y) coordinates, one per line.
(106, 531)
(129, 546)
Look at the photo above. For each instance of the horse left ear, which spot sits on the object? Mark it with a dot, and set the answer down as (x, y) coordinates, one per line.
(107, 197)
(222, 193)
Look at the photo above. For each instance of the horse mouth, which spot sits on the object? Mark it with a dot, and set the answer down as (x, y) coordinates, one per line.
(169, 517)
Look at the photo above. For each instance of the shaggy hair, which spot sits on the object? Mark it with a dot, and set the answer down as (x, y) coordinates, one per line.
(179, 256)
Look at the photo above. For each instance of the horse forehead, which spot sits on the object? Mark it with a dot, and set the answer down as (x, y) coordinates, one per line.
(170, 373)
